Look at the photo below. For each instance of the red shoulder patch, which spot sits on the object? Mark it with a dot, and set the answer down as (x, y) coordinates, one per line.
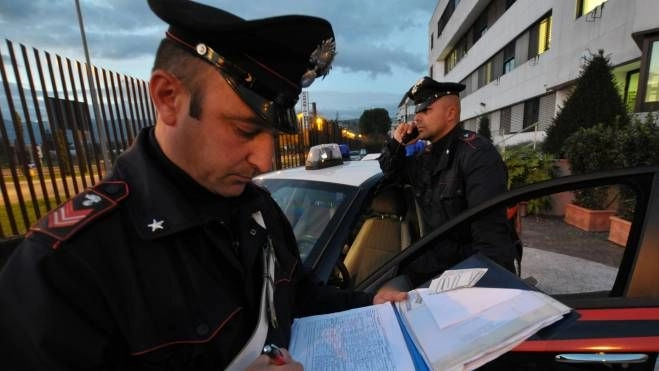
(64, 221)
(468, 138)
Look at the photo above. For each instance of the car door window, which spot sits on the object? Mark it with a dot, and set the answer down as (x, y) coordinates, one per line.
(571, 249)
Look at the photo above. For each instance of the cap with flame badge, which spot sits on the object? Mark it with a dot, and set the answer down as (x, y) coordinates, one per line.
(425, 91)
(266, 61)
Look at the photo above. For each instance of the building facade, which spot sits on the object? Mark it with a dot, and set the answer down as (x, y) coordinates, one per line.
(520, 58)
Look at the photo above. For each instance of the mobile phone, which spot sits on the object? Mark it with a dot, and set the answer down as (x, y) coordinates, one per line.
(409, 136)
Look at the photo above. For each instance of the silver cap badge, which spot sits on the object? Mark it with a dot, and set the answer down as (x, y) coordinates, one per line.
(321, 61)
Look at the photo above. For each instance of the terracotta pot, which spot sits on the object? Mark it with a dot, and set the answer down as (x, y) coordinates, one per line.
(619, 230)
(587, 219)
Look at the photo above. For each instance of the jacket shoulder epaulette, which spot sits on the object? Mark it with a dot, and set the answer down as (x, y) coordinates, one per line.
(70, 217)
(472, 139)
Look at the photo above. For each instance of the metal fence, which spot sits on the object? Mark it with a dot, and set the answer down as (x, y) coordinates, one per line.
(53, 143)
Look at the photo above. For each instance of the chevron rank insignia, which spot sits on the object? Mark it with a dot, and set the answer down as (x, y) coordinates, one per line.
(65, 220)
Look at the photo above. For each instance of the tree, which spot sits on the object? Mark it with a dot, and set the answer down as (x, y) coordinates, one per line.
(594, 100)
(374, 121)
(484, 128)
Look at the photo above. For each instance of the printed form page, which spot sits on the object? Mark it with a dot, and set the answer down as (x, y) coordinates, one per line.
(362, 339)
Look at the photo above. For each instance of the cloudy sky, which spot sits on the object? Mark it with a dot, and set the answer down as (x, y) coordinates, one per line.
(381, 44)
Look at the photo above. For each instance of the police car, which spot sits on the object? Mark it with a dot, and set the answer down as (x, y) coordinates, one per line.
(355, 231)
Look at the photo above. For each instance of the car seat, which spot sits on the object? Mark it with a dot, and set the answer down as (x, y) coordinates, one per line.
(384, 233)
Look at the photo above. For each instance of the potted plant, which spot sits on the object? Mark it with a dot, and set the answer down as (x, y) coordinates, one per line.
(589, 150)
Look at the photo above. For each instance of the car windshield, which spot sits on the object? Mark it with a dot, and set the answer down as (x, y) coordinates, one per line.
(309, 207)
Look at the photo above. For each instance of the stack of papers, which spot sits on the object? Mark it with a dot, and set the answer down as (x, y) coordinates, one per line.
(438, 328)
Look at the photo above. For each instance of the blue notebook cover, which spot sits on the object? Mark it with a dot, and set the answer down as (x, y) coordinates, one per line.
(417, 358)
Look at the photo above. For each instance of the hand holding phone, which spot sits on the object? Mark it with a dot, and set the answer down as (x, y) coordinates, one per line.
(409, 136)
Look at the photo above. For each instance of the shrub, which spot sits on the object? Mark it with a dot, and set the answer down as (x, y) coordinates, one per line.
(595, 100)
(604, 147)
(638, 145)
(526, 166)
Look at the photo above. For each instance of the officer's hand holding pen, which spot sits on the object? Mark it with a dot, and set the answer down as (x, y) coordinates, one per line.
(275, 358)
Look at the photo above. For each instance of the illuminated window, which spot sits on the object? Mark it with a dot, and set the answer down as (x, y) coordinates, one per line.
(586, 6)
(652, 87)
(544, 35)
(631, 88)
(540, 37)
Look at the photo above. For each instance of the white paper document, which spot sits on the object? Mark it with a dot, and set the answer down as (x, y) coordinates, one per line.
(460, 329)
(457, 278)
(365, 339)
(465, 328)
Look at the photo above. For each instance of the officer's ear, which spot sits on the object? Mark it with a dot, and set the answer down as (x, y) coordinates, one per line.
(169, 96)
(453, 108)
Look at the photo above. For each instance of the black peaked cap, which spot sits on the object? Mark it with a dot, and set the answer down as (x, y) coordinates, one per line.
(265, 59)
(425, 91)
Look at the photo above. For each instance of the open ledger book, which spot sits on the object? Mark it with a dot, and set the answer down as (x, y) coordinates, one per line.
(437, 328)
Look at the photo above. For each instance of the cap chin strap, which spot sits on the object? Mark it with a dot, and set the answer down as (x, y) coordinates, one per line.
(254, 346)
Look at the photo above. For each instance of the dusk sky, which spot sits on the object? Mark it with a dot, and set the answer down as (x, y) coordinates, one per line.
(382, 45)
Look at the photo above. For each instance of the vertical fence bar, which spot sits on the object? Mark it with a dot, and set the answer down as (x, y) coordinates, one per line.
(129, 131)
(142, 99)
(116, 106)
(111, 146)
(5, 192)
(130, 99)
(49, 114)
(120, 145)
(139, 108)
(94, 149)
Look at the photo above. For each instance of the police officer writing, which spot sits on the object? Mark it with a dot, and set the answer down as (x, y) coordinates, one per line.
(177, 261)
(457, 170)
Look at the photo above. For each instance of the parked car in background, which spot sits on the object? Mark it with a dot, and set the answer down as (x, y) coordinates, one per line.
(353, 230)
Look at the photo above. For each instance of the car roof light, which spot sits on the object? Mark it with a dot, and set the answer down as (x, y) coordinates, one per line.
(322, 156)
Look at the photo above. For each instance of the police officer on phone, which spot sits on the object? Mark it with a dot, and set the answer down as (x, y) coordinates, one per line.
(177, 261)
(458, 169)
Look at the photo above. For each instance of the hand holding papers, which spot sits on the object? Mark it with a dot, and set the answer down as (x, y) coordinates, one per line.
(459, 329)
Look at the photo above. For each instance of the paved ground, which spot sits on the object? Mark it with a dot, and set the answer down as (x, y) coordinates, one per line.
(564, 259)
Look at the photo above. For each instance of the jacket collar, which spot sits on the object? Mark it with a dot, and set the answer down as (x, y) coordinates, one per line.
(164, 199)
(443, 149)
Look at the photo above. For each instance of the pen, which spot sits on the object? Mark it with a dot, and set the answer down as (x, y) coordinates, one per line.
(274, 353)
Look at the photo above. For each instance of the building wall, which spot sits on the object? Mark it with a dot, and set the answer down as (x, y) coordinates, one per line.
(550, 74)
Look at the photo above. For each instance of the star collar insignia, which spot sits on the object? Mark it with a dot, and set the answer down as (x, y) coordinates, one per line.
(156, 225)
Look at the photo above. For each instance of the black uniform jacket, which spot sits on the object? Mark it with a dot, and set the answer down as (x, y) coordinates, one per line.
(457, 172)
(148, 270)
